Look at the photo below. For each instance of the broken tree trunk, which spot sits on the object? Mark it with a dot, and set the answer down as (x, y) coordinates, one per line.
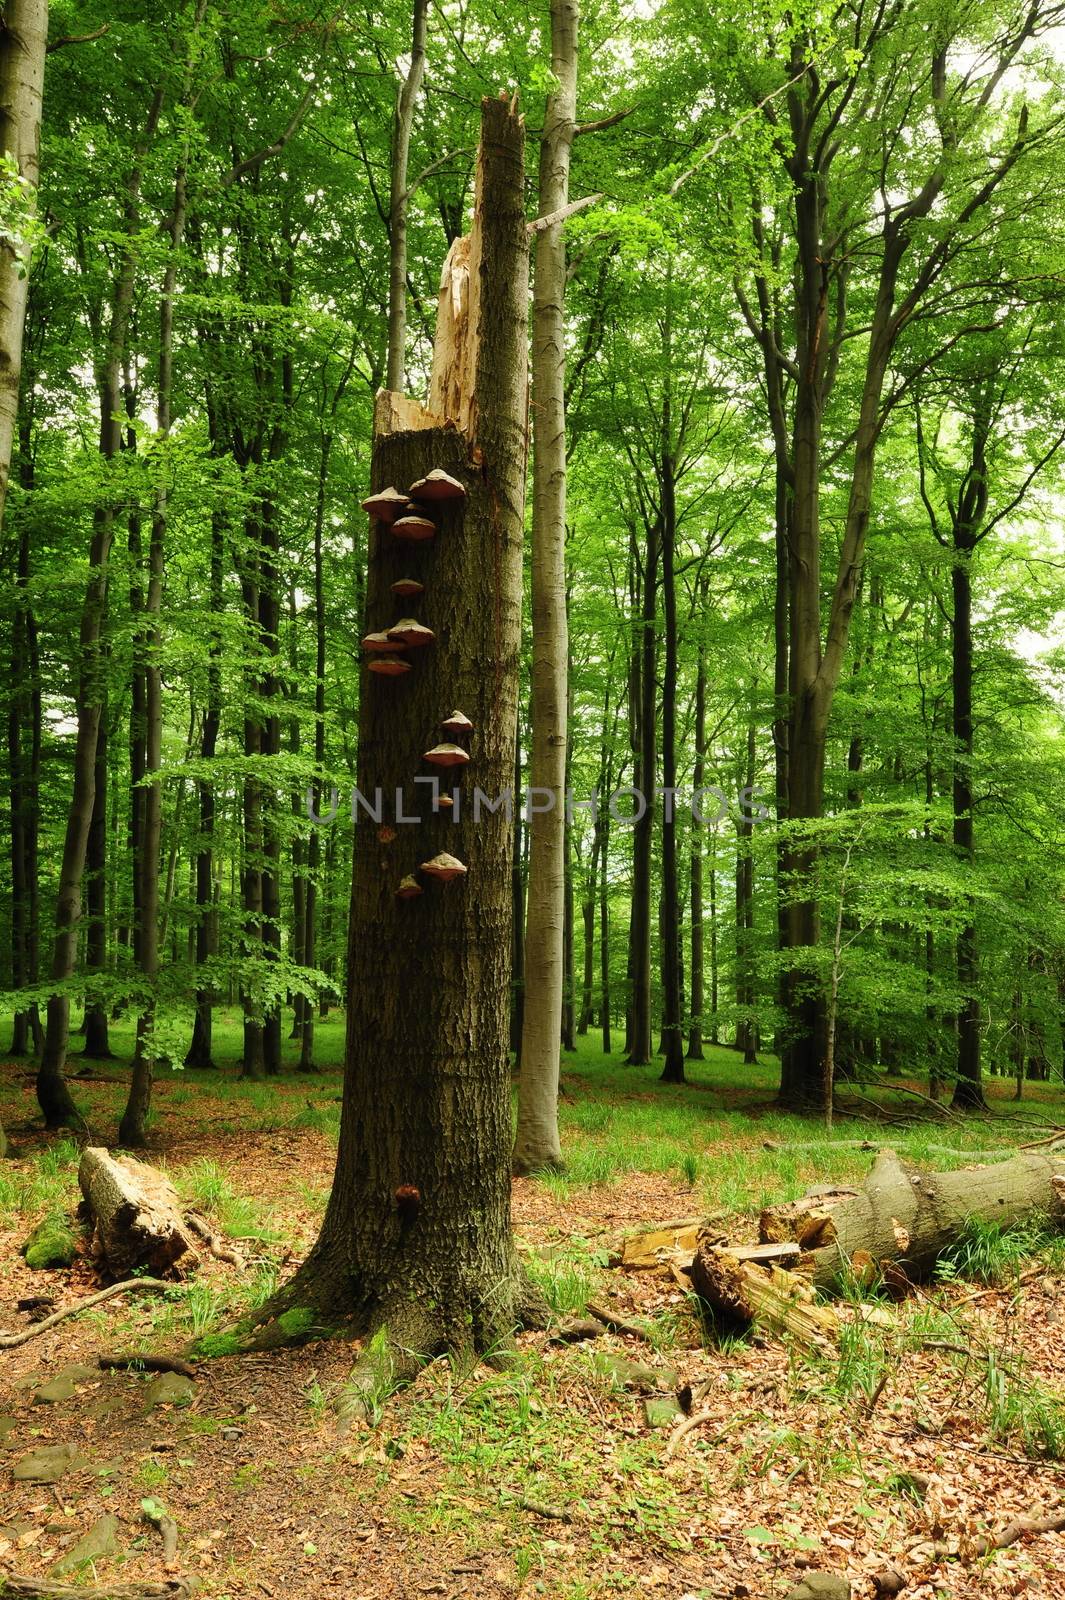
(908, 1218)
(751, 1291)
(136, 1215)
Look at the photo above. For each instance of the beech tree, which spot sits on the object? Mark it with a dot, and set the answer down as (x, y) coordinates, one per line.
(416, 1242)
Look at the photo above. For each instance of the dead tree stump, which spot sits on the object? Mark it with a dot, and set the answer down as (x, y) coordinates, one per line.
(136, 1216)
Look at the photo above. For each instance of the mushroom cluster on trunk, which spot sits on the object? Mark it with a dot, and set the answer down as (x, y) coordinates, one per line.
(407, 517)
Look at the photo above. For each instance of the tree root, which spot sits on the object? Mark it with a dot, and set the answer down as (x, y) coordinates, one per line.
(166, 1528)
(146, 1363)
(404, 1339)
(10, 1341)
(11, 1583)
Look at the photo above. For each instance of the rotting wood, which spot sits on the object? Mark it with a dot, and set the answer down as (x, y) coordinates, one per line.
(749, 1292)
(136, 1215)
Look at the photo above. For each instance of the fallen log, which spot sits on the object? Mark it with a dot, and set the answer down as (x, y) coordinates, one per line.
(908, 1218)
(136, 1215)
(748, 1291)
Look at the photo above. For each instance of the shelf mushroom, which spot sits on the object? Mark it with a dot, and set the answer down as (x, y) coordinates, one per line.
(414, 528)
(458, 722)
(407, 587)
(409, 888)
(386, 505)
(410, 634)
(388, 666)
(437, 485)
(447, 755)
(380, 642)
(444, 867)
(443, 802)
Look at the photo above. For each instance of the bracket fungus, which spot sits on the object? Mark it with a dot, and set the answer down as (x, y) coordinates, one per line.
(386, 505)
(447, 755)
(443, 802)
(409, 887)
(437, 485)
(410, 633)
(444, 867)
(388, 666)
(405, 587)
(413, 528)
(458, 722)
(380, 642)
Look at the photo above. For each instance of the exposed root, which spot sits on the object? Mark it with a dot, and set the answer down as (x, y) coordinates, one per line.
(166, 1528)
(405, 1338)
(143, 1361)
(12, 1583)
(615, 1323)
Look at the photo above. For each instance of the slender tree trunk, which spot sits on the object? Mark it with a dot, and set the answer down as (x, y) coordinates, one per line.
(23, 46)
(200, 1052)
(643, 829)
(672, 1018)
(403, 122)
(746, 1030)
(517, 1003)
(97, 1045)
(52, 1091)
(714, 969)
(536, 1142)
(416, 1239)
(24, 755)
(698, 998)
(968, 1091)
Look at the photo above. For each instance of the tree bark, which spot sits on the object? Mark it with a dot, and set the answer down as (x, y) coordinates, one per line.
(416, 1238)
(136, 1215)
(746, 1030)
(536, 1142)
(97, 1046)
(23, 47)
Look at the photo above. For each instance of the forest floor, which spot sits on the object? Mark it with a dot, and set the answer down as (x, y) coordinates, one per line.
(545, 1478)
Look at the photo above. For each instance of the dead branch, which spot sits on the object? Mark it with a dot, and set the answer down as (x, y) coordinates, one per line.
(541, 224)
(616, 1324)
(78, 38)
(1017, 1530)
(215, 1245)
(689, 1425)
(602, 122)
(9, 1341)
